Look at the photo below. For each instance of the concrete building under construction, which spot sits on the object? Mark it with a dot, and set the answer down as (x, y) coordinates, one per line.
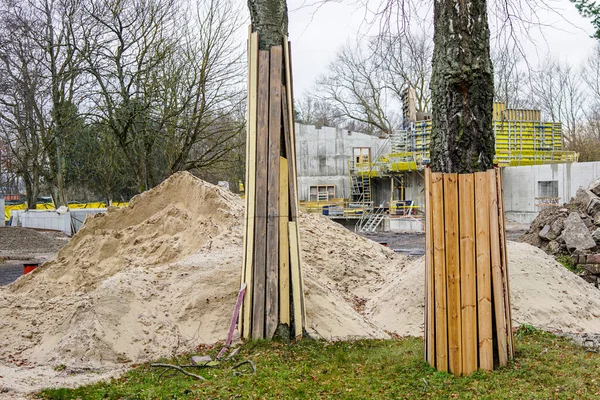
(377, 182)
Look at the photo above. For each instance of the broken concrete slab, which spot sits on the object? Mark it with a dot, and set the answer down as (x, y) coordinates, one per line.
(576, 235)
(553, 247)
(596, 235)
(593, 206)
(544, 232)
(595, 187)
(583, 197)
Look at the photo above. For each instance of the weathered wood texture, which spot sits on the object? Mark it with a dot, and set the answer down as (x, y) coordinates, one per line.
(273, 212)
(260, 211)
(271, 268)
(466, 273)
(250, 185)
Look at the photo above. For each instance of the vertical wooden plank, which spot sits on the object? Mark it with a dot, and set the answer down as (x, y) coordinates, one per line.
(439, 266)
(250, 188)
(284, 245)
(468, 276)
(507, 306)
(295, 272)
(429, 275)
(260, 229)
(288, 151)
(272, 287)
(497, 287)
(290, 117)
(292, 129)
(453, 273)
(484, 278)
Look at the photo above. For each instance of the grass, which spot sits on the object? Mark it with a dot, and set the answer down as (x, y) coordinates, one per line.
(567, 262)
(545, 367)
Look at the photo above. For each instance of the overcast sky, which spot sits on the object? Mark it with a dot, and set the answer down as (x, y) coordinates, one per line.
(316, 35)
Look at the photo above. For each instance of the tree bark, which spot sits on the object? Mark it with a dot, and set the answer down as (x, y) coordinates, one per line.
(462, 87)
(270, 20)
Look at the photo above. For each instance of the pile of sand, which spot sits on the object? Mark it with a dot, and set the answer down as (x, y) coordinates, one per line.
(161, 277)
(543, 294)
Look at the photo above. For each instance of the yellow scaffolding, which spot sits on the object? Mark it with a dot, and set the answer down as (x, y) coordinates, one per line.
(521, 139)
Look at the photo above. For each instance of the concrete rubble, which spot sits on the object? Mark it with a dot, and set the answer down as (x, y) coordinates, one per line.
(573, 230)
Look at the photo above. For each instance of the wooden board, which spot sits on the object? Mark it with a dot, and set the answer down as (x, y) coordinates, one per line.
(468, 276)
(484, 279)
(284, 245)
(289, 82)
(451, 221)
(497, 284)
(429, 276)
(272, 282)
(439, 265)
(250, 187)
(295, 272)
(507, 306)
(260, 229)
(288, 151)
(290, 117)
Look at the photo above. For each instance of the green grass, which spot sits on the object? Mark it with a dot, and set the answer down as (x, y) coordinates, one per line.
(545, 367)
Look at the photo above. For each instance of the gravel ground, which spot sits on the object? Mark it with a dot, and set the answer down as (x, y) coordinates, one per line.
(23, 245)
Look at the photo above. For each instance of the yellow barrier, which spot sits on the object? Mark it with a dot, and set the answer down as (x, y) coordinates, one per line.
(49, 206)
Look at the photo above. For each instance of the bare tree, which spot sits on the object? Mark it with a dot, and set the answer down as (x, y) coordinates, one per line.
(356, 84)
(21, 94)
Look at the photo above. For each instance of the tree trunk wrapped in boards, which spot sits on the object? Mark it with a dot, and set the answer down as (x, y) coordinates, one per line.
(274, 299)
(467, 301)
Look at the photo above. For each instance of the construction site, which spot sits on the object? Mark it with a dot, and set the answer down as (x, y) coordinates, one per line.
(339, 236)
(375, 183)
(160, 277)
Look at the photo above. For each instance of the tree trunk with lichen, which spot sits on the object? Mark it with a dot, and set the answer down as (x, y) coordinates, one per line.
(270, 20)
(462, 87)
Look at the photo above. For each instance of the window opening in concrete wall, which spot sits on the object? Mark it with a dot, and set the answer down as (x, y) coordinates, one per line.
(322, 193)
(547, 194)
(362, 155)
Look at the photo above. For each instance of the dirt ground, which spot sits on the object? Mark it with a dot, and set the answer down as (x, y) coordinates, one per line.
(24, 245)
(413, 244)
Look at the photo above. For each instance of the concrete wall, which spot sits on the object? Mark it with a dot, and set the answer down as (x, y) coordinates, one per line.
(521, 186)
(69, 222)
(42, 220)
(414, 188)
(323, 154)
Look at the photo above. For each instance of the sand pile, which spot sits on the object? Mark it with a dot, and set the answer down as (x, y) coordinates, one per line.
(543, 293)
(161, 277)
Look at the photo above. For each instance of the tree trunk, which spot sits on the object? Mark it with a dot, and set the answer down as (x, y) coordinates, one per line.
(462, 87)
(270, 20)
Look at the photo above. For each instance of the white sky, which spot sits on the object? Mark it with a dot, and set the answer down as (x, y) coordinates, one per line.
(317, 35)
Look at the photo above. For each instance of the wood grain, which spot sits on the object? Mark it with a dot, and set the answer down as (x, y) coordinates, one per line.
(484, 278)
(260, 229)
(453, 273)
(497, 284)
(250, 186)
(439, 265)
(468, 275)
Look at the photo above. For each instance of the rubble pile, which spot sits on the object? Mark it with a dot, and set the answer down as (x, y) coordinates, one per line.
(572, 229)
